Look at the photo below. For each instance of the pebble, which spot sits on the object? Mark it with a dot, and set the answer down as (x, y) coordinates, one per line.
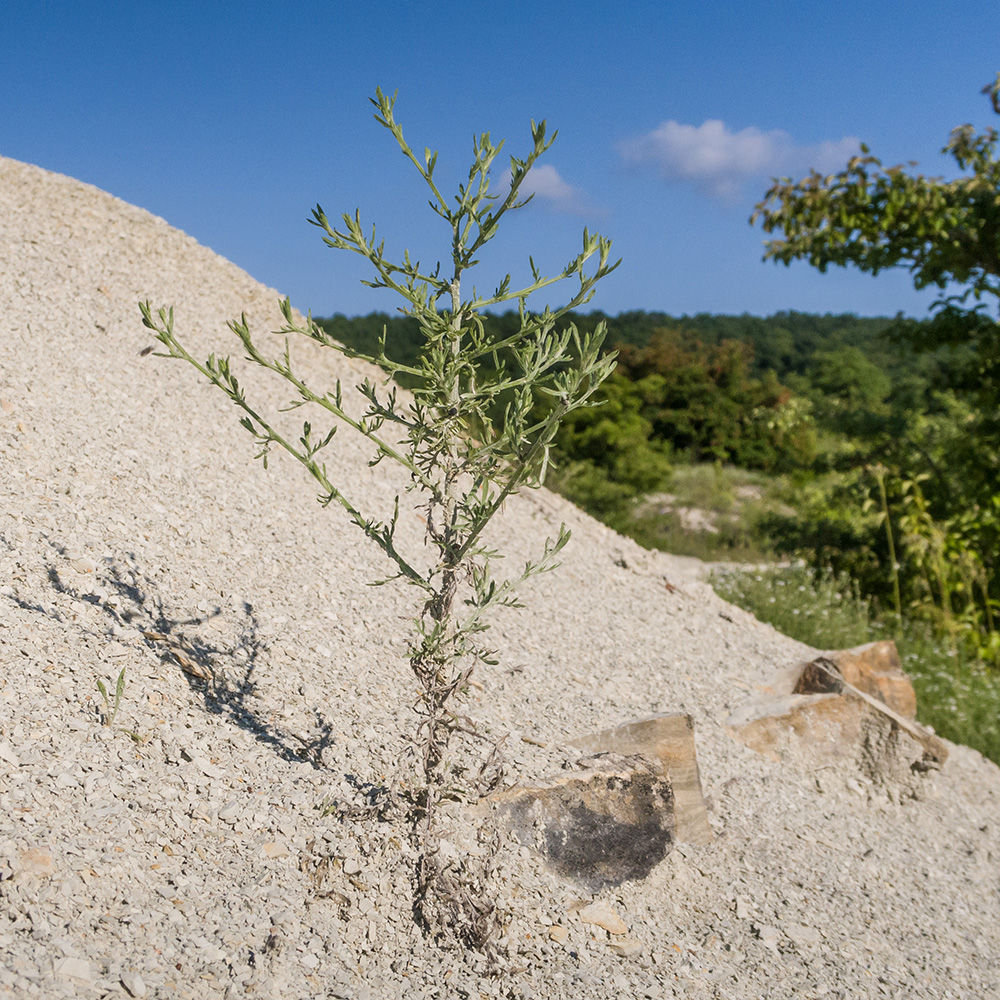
(36, 861)
(601, 914)
(74, 968)
(134, 984)
(626, 947)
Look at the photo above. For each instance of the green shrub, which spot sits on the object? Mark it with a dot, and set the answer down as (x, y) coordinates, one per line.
(468, 439)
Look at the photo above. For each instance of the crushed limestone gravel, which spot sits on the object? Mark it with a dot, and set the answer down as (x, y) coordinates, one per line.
(197, 847)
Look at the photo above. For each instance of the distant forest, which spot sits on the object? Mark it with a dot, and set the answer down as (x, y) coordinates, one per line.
(785, 343)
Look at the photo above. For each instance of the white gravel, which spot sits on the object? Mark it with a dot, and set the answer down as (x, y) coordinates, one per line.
(137, 533)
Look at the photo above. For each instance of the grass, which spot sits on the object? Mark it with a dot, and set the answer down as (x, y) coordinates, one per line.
(712, 511)
(956, 695)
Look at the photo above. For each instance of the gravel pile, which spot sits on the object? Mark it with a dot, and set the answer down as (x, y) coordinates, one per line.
(190, 850)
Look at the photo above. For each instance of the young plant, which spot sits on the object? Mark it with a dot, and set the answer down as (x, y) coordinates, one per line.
(111, 706)
(469, 437)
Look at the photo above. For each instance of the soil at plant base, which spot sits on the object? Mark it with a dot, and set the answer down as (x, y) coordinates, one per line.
(264, 678)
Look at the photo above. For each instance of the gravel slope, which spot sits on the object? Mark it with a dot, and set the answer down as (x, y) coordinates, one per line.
(198, 862)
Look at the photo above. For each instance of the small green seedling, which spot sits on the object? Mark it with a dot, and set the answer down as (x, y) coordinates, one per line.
(111, 707)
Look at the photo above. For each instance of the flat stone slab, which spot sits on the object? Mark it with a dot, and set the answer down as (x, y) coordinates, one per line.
(670, 740)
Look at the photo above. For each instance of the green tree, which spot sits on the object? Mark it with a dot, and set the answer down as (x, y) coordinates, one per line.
(947, 233)
(944, 231)
(702, 399)
(607, 455)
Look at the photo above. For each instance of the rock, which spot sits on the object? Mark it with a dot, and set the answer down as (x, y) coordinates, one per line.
(600, 914)
(803, 934)
(558, 933)
(769, 936)
(670, 740)
(610, 822)
(230, 812)
(133, 984)
(626, 947)
(77, 969)
(874, 669)
(823, 729)
(816, 713)
(36, 861)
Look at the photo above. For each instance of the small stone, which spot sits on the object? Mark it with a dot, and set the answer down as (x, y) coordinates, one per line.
(73, 968)
(206, 767)
(351, 866)
(558, 933)
(8, 754)
(769, 936)
(626, 947)
(275, 849)
(133, 984)
(803, 933)
(601, 915)
(229, 812)
(36, 861)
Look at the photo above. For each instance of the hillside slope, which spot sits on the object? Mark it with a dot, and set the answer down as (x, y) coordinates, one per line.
(136, 532)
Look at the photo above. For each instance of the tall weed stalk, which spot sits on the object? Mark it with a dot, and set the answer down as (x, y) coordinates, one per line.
(468, 440)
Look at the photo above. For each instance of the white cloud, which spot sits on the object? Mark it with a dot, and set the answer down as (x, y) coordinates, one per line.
(545, 183)
(719, 161)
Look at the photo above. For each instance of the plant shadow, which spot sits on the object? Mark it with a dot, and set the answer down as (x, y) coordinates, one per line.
(222, 673)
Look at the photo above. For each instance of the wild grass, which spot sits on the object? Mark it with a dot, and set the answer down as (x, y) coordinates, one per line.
(713, 511)
(958, 696)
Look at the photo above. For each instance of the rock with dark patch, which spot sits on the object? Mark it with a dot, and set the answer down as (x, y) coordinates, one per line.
(610, 821)
(670, 740)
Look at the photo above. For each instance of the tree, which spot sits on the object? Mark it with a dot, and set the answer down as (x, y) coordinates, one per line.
(944, 231)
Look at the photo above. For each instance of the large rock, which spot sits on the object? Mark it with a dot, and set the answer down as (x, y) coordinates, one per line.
(854, 704)
(670, 740)
(609, 821)
(874, 669)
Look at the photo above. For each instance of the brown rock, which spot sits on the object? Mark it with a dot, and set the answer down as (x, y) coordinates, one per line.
(626, 947)
(611, 822)
(670, 740)
(36, 861)
(874, 669)
(844, 704)
(823, 728)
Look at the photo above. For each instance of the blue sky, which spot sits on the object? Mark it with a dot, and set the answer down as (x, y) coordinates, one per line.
(231, 120)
